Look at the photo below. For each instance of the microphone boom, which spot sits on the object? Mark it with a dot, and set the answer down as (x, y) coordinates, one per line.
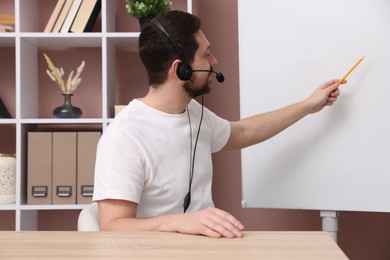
(218, 75)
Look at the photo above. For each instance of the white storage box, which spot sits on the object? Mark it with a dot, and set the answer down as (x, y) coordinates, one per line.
(7, 178)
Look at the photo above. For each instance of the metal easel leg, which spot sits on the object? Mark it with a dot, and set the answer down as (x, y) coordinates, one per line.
(330, 222)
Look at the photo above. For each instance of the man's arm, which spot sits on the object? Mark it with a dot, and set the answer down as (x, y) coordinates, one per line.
(120, 215)
(258, 128)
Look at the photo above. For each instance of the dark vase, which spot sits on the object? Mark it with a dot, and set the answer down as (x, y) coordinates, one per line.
(67, 110)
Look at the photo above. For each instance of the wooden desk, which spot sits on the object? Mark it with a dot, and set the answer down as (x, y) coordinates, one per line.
(159, 245)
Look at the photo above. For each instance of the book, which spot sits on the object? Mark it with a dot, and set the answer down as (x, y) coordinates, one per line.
(7, 19)
(86, 16)
(54, 15)
(71, 15)
(61, 18)
(4, 111)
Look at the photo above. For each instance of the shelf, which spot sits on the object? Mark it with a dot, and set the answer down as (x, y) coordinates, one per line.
(6, 207)
(6, 121)
(61, 40)
(63, 121)
(52, 207)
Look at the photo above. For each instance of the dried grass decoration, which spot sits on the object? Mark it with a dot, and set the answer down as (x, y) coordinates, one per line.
(72, 83)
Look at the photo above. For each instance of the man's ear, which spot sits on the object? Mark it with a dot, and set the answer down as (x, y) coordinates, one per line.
(174, 67)
(182, 69)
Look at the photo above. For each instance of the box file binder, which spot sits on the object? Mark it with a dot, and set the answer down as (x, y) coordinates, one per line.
(64, 167)
(39, 167)
(86, 156)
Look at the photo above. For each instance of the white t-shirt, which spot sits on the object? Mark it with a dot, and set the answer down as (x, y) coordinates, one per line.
(144, 156)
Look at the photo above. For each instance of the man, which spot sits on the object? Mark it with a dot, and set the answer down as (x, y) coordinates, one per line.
(153, 167)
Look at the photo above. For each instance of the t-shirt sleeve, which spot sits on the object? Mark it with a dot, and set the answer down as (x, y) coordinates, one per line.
(119, 168)
(220, 130)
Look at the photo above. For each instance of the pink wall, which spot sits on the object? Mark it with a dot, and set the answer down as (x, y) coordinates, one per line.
(361, 235)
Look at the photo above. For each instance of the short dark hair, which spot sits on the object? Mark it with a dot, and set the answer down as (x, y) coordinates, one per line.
(157, 51)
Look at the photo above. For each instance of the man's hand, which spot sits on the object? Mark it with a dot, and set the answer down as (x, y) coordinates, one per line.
(211, 222)
(325, 95)
(120, 215)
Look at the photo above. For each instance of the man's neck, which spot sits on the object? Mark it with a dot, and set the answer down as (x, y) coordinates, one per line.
(168, 99)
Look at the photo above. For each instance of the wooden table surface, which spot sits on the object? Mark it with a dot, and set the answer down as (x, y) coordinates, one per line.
(160, 245)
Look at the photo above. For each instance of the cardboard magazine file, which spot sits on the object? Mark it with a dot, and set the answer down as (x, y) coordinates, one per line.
(64, 167)
(86, 156)
(39, 167)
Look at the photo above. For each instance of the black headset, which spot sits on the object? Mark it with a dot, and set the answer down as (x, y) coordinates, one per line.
(184, 70)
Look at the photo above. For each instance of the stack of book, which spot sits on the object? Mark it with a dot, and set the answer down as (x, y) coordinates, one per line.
(73, 16)
(7, 23)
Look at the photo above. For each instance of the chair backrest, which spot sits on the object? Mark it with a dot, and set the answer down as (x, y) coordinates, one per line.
(89, 218)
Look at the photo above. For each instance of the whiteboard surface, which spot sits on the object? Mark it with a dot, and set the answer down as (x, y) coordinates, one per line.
(339, 158)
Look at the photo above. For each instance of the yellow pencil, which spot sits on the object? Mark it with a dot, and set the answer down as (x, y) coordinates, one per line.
(354, 66)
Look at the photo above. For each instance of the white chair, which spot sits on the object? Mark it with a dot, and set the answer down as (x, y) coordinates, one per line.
(89, 218)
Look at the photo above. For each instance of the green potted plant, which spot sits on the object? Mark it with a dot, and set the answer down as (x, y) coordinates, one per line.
(145, 10)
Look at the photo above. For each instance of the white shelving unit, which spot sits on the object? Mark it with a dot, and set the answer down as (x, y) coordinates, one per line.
(29, 41)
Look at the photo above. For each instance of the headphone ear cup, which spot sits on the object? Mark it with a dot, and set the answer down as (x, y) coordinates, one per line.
(184, 71)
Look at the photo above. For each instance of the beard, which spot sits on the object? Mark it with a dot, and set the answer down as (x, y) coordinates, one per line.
(194, 90)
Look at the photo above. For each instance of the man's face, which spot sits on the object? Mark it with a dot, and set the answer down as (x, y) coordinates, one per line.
(199, 83)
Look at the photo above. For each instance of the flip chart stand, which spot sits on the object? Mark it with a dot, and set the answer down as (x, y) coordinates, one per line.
(330, 222)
